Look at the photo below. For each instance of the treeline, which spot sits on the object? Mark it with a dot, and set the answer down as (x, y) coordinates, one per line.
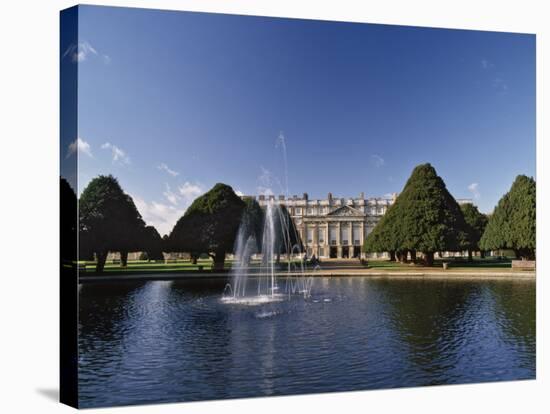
(210, 225)
(426, 219)
(110, 222)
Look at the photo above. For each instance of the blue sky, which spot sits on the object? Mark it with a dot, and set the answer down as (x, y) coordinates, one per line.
(172, 102)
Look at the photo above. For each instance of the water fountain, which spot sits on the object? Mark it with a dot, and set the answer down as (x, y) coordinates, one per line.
(269, 282)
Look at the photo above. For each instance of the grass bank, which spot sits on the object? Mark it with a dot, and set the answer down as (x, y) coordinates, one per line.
(352, 266)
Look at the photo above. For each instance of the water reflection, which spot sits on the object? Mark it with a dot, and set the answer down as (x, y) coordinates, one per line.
(176, 341)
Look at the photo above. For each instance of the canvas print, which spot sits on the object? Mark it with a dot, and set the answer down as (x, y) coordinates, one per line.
(256, 206)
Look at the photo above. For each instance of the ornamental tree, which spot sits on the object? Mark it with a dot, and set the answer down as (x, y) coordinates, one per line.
(286, 237)
(513, 222)
(250, 233)
(152, 243)
(109, 220)
(383, 238)
(252, 221)
(425, 217)
(475, 226)
(209, 225)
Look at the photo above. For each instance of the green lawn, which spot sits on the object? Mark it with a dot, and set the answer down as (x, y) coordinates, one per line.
(145, 266)
(454, 263)
(141, 266)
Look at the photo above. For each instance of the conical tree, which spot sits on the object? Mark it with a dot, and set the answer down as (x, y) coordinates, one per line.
(209, 225)
(287, 239)
(384, 238)
(253, 220)
(429, 218)
(152, 243)
(249, 236)
(513, 223)
(425, 218)
(476, 223)
(109, 220)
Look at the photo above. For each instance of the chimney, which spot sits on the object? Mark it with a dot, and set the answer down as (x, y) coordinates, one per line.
(362, 195)
(281, 197)
(329, 197)
(305, 196)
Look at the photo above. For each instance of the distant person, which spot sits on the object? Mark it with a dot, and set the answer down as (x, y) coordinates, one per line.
(313, 260)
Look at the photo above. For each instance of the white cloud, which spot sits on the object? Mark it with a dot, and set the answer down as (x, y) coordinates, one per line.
(164, 167)
(162, 216)
(82, 51)
(79, 52)
(189, 191)
(474, 189)
(80, 146)
(500, 85)
(485, 64)
(170, 196)
(377, 160)
(497, 82)
(118, 154)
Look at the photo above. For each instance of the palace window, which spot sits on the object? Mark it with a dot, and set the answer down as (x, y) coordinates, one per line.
(298, 211)
(357, 242)
(309, 236)
(345, 236)
(333, 233)
(321, 236)
(356, 234)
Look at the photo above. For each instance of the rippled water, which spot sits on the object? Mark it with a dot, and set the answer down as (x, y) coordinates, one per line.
(148, 342)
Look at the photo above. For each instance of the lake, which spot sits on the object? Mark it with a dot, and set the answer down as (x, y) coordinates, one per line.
(165, 341)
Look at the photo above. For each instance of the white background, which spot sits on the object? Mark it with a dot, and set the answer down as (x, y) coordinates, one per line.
(29, 205)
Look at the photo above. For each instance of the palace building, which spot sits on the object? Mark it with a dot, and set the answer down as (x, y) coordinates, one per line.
(334, 227)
